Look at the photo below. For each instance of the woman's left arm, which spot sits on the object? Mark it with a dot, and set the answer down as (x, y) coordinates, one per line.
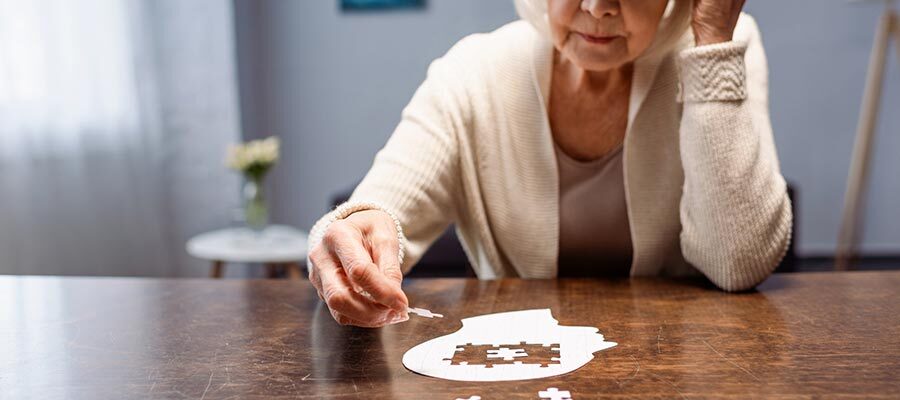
(735, 213)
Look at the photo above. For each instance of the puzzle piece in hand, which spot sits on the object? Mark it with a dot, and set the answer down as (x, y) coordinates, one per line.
(490, 355)
(555, 394)
(423, 312)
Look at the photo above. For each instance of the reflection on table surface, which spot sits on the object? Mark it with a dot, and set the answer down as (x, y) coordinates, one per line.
(798, 335)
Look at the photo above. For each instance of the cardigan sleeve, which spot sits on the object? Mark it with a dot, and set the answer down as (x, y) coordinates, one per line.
(735, 213)
(414, 178)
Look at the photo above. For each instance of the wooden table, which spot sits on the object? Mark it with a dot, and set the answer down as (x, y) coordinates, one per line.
(799, 336)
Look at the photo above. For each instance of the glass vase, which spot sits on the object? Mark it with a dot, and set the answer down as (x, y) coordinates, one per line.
(256, 211)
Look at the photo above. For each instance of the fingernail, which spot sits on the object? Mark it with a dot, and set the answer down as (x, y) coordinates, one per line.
(395, 317)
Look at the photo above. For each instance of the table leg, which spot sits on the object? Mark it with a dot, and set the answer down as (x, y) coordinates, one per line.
(293, 271)
(218, 268)
(271, 271)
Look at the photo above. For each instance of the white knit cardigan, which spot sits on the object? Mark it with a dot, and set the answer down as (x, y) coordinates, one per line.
(474, 147)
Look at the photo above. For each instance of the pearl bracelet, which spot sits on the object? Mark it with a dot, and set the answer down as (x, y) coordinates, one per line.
(345, 210)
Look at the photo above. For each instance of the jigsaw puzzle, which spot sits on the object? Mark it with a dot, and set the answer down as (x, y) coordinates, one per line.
(507, 346)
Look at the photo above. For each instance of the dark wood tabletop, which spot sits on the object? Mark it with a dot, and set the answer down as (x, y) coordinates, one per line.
(798, 336)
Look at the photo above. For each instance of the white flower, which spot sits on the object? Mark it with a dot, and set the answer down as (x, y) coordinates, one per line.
(256, 154)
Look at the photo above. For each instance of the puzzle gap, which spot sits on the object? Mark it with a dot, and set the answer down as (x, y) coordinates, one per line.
(521, 353)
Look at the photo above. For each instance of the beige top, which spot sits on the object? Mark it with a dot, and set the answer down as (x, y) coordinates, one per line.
(474, 147)
(594, 239)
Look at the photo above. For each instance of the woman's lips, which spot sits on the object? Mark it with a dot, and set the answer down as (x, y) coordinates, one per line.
(597, 39)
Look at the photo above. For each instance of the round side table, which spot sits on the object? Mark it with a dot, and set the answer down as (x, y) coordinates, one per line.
(277, 246)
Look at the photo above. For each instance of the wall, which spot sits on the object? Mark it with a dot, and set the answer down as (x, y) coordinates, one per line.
(818, 53)
(332, 86)
(199, 117)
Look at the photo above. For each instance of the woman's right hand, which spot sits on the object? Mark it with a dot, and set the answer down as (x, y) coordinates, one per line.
(356, 270)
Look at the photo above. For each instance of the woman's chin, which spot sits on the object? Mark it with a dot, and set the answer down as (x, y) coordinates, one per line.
(598, 64)
(596, 58)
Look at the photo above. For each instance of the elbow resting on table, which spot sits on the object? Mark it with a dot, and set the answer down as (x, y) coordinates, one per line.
(742, 276)
(741, 265)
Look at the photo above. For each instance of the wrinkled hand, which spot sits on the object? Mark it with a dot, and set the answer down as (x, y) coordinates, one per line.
(360, 254)
(714, 20)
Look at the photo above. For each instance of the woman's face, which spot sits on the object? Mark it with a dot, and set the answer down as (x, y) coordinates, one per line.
(599, 35)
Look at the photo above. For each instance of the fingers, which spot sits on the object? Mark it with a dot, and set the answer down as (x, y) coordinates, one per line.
(347, 242)
(385, 253)
(392, 319)
(360, 256)
(319, 257)
(336, 290)
(343, 320)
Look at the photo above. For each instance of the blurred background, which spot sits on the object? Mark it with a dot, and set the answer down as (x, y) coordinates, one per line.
(116, 116)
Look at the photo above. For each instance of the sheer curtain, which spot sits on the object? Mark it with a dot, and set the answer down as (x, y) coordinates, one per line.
(114, 115)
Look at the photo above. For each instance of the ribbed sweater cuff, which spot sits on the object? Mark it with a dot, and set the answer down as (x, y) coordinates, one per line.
(714, 72)
(343, 211)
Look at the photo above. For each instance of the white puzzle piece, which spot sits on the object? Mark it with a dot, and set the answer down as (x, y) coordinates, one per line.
(507, 346)
(555, 394)
(423, 312)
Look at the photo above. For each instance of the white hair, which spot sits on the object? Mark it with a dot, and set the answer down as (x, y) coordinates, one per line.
(672, 27)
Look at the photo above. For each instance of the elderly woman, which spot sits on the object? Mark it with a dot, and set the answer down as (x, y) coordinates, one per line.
(592, 138)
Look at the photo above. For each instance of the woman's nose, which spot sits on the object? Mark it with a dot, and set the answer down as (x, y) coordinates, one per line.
(601, 8)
